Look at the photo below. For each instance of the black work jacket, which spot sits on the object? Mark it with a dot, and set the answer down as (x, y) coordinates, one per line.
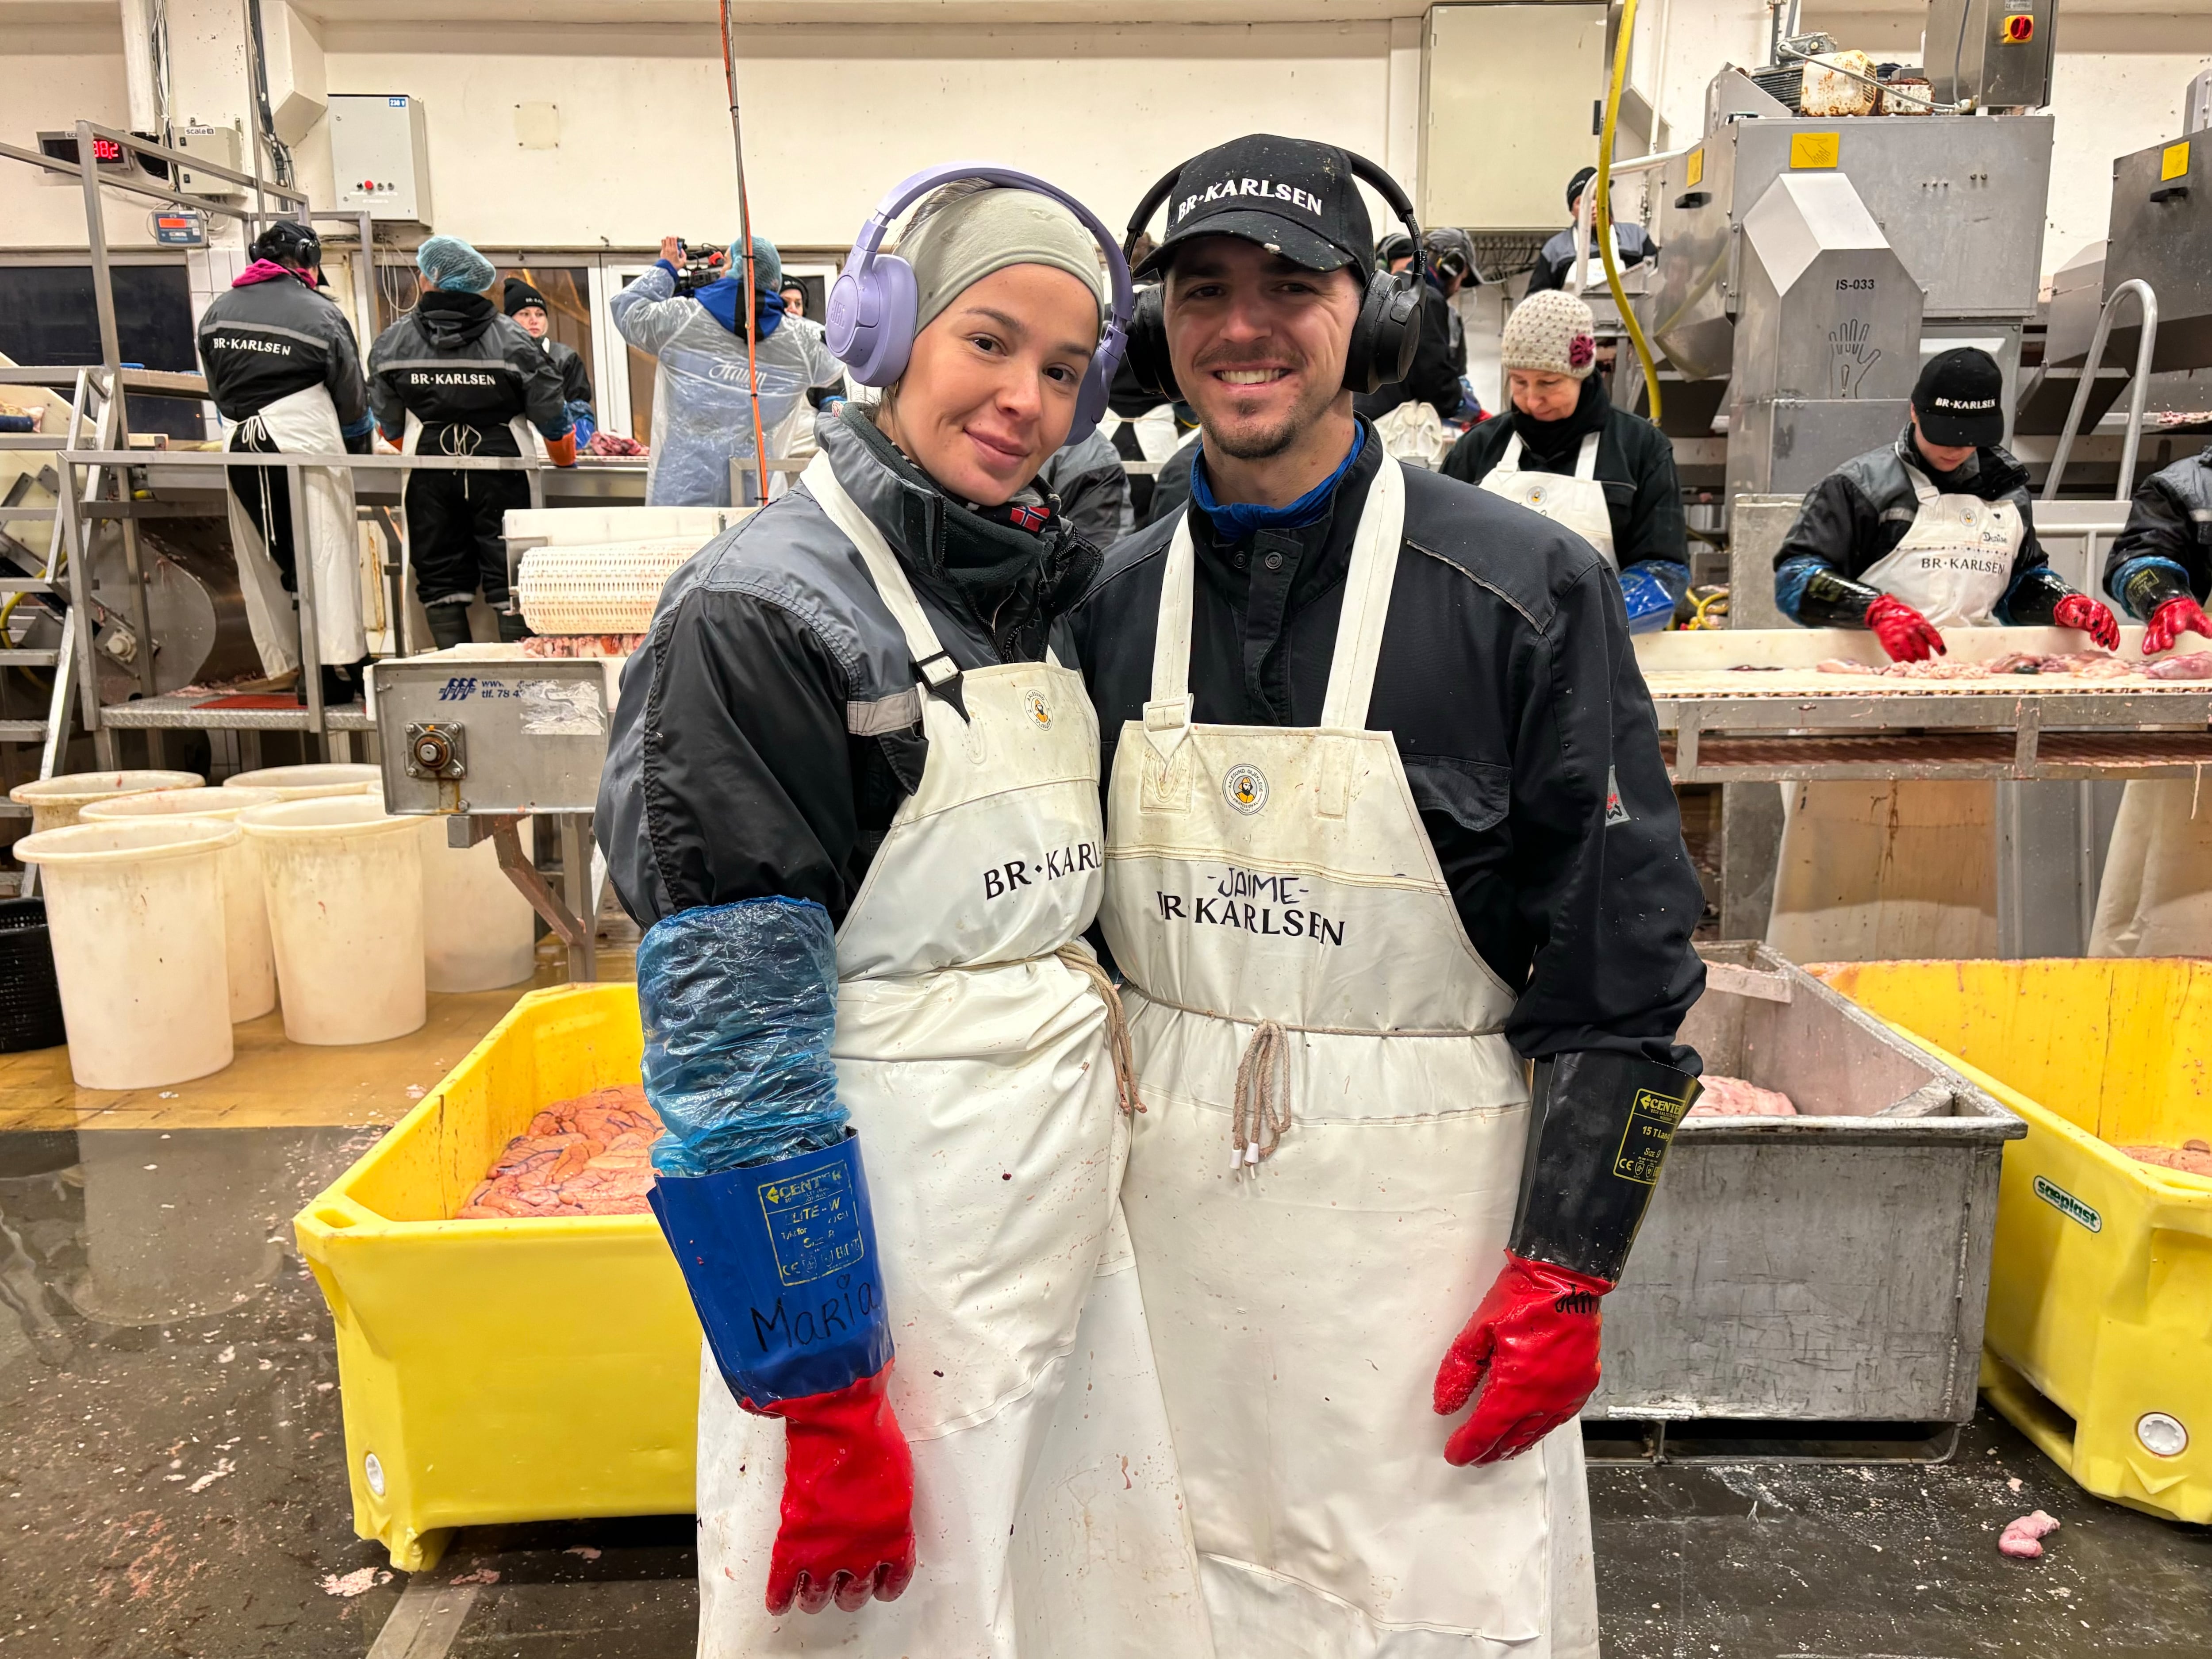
(1526, 734)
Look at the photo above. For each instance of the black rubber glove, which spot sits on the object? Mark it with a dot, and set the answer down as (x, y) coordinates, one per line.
(1599, 1128)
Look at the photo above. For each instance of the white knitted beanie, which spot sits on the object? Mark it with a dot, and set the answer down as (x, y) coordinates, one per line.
(1550, 332)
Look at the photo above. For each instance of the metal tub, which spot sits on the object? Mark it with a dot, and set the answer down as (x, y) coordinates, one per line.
(1828, 1268)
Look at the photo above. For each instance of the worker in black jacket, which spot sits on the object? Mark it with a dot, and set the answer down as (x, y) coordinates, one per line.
(1631, 246)
(1440, 358)
(1565, 450)
(1386, 819)
(525, 302)
(453, 377)
(1932, 533)
(2156, 896)
(284, 372)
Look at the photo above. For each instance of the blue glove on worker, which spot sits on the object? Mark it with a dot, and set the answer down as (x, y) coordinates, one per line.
(759, 1189)
(1650, 604)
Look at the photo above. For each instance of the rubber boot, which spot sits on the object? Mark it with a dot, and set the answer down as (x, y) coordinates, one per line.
(512, 627)
(343, 683)
(449, 624)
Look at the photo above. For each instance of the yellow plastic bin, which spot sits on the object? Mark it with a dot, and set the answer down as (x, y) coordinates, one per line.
(504, 1370)
(2099, 1341)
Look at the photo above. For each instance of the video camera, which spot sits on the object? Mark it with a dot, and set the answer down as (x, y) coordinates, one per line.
(703, 263)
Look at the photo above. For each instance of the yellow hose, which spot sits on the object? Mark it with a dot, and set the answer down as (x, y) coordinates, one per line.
(1602, 220)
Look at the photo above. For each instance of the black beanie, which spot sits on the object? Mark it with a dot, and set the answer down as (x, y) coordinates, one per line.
(1575, 185)
(520, 295)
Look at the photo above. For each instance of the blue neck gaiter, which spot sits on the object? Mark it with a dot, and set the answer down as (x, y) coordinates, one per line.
(1238, 521)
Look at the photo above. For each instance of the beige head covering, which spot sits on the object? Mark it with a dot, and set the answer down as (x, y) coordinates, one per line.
(964, 238)
(1550, 332)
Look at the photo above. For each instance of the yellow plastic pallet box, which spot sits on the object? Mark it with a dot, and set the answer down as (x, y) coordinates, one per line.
(504, 1370)
(2098, 1342)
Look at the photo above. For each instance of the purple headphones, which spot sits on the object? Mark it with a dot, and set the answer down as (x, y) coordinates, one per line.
(872, 308)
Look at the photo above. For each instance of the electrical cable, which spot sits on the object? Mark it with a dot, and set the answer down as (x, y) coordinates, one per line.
(1602, 219)
(746, 229)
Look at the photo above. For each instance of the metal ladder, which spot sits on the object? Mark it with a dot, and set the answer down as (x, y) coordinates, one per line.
(50, 734)
(2138, 388)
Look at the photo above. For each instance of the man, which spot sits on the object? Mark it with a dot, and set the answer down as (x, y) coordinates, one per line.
(1933, 531)
(1556, 262)
(712, 359)
(1447, 266)
(524, 302)
(2156, 896)
(1565, 450)
(1347, 917)
(285, 371)
(454, 377)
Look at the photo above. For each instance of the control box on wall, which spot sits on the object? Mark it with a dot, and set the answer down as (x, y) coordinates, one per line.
(380, 156)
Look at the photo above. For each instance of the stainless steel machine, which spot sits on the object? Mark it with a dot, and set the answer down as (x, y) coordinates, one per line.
(1816, 262)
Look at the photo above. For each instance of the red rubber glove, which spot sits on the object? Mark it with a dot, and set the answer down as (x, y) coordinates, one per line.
(2097, 621)
(848, 1530)
(1906, 635)
(1535, 1336)
(2170, 620)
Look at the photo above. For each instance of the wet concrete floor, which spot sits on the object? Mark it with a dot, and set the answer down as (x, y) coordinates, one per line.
(171, 1478)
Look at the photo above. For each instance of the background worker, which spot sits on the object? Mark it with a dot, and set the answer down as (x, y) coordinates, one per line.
(454, 377)
(711, 358)
(1933, 531)
(284, 372)
(1386, 819)
(1093, 487)
(794, 293)
(1440, 358)
(525, 303)
(852, 793)
(2156, 896)
(1631, 246)
(1565, 452)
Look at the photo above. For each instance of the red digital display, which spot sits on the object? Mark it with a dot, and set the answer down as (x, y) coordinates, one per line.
(106, 150)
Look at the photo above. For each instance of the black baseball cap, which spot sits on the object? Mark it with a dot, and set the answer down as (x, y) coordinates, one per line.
(519, 294)
(1290, 195)
(1960, 398)
(1575, 185)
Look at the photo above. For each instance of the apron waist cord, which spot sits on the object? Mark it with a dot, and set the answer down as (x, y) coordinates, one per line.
(1117, 1022)
(1263, 1095)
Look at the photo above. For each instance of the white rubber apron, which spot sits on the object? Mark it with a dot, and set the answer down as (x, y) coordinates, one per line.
(972, 1048)
(1576, 503)
(1297, 975)
(302, 423)
(1904, 869)
(2155, 899)
(528, 441)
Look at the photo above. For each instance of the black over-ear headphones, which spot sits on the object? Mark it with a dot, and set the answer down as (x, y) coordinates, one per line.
(1382, 340)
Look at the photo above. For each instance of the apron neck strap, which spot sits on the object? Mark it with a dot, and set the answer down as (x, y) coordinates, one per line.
(1511, 460)
(1586, 463)
(883, 568)
(1924, 486)
(1367, 587)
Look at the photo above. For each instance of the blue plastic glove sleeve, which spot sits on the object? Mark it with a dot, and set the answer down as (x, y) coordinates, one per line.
(781, 1262)
(738, 1003)
(1650, 606)
(582, 421)
(1791, 578)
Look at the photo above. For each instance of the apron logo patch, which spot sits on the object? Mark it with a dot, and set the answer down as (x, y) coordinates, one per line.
(1968, 517)
(1036, 704)
(1536, 495)
(1614, 812)
(1643, 1143)
(1246, 789)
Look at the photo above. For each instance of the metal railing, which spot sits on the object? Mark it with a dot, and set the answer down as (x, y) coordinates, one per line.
(2138, 388)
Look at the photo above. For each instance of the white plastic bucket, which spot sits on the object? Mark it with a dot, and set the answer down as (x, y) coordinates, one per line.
(245, 911)
(344, 889)
(136, 910)
(478, 931)
(55, 802)
(311, 782)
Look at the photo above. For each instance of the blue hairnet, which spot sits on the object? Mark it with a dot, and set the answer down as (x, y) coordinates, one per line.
(768, 265)
(452, 264)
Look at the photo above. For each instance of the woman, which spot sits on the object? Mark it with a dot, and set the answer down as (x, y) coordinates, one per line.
(855, 795)
(1564, 450)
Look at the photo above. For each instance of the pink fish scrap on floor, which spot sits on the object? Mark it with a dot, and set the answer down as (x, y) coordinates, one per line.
(2022, 1539)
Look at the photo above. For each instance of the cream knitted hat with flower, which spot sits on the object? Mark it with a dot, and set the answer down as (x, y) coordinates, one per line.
(1550, 332)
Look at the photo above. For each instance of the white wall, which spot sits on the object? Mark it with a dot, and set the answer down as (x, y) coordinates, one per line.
(835, 115)
(52, 77)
